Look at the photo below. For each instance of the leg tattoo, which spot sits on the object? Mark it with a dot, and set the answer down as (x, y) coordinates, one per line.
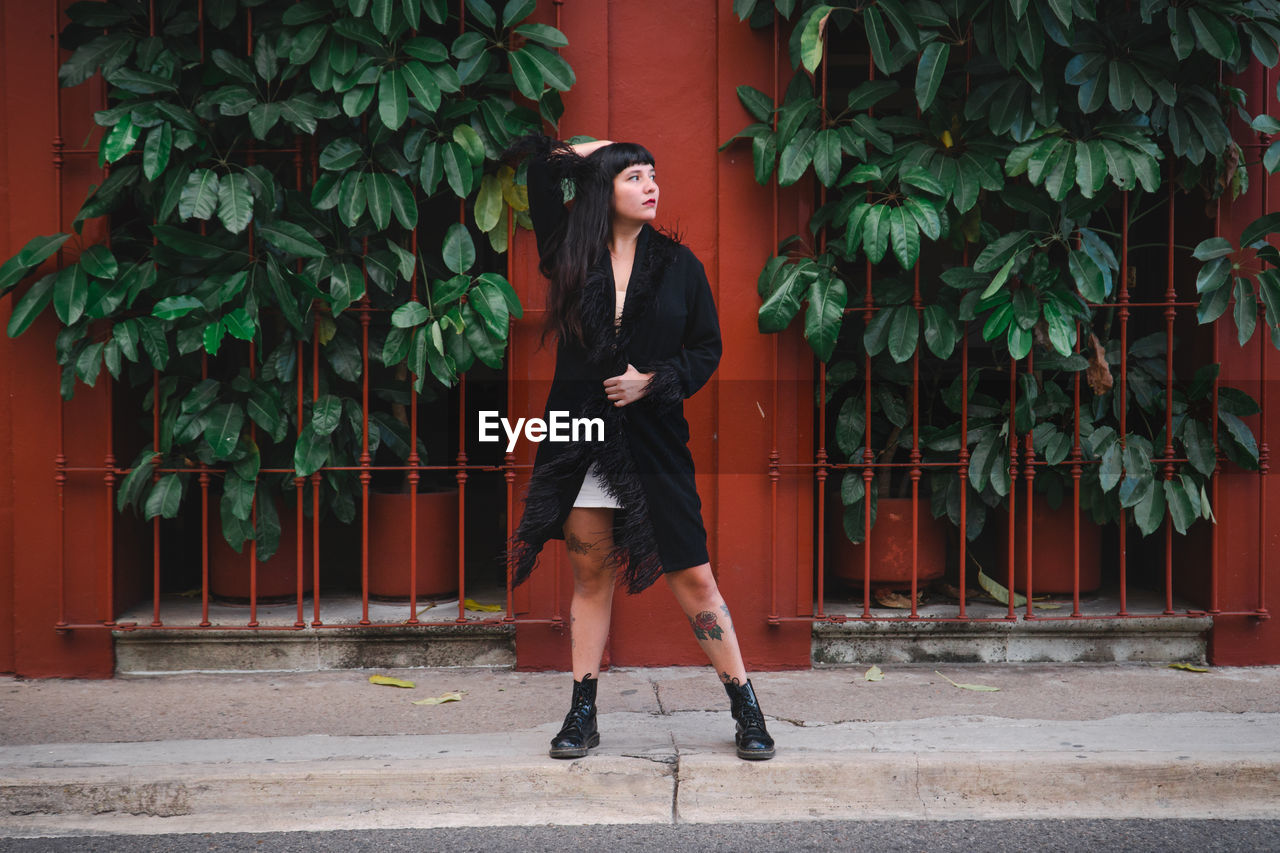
(706, 627)
(729, 679)
(576, 545)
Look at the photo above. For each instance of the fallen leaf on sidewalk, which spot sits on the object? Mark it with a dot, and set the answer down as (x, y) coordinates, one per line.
(471, 604)
(455, 696)
(979, 687)
(874, 674)
(1188, 667)
(998, 592)
(388, 681)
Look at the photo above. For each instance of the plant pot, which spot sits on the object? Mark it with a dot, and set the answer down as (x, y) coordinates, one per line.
(389, 554)
(891, 547)
(1052, 551)
(277, 578)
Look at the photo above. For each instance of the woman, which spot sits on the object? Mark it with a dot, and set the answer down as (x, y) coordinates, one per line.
(637, 333)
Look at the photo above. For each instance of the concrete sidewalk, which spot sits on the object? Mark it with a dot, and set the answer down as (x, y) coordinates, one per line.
(329, 750)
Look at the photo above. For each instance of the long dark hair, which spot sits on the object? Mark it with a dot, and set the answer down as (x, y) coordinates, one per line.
(584, 232)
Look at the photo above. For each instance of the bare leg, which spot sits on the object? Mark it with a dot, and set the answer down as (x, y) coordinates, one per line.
(699, 597)
(588, 536)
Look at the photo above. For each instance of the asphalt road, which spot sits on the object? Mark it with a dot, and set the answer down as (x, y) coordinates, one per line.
(1083, 836)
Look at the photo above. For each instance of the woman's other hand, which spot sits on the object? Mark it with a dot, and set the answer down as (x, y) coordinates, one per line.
(628, 387)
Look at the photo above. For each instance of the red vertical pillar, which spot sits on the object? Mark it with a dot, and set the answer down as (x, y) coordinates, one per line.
(31, 530)
(1244, 556)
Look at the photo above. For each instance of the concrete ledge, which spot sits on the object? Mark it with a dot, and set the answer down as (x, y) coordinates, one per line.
(1151, 639)
(320, 795)
(140, 651)
(892, 786)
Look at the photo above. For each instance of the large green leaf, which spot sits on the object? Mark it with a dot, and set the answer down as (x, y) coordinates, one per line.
(1246, 311)
(526, 74)
(235, 203)
(940, 331)
(458, 170)
(827, 156)
(410, 314)
(811, 37)
(32, 303)
(379, 198)
(353, 198)
(488, 208)
(199, 197)
(490, 303)
(292, 239)
(340, 154)
(543, 34)
(796, 156)
(1149, 513)
(156, 150)
(393, 98)
(222, 430)
(825, 315)
(70, 293)
(346, 285)
(1000, 251)
(165, 498)
(311, 452)
(783, 303)
(904, 234)
(875, 232)
(1181, 508)
(1216, 34)
(1198, 442)
(459, 250)
(904, 332)
(757, 103)
(555, 71)
(118, 142)
(930, 71)
(136, 481)
(422, 84)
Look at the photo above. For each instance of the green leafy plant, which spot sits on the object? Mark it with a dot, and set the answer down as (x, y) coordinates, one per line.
(283, 175)
(989, 153)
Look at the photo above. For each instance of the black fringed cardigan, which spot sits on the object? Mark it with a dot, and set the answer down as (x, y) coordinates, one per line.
(669, 328)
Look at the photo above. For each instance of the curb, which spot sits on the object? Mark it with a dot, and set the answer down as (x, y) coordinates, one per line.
(676, 769)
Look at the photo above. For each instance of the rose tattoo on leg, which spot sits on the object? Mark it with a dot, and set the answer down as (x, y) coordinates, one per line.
(706, 626)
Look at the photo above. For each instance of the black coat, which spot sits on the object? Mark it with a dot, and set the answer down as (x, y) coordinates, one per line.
(668, 327)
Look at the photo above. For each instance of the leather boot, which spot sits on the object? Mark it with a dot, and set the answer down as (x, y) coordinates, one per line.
(579, 731)
(751, 736)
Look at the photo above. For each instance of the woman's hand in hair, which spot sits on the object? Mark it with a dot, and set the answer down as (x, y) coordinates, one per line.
(628, 387)
(582, 149)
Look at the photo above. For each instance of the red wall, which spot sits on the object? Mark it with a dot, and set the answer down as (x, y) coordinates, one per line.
(1249, 504)
(640, 78)
(43, 579)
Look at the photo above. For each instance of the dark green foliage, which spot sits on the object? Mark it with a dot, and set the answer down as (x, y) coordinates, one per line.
(988, 154)
(266, 182)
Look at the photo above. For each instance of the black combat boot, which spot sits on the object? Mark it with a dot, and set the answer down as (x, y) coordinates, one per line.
(579, 732)
(751, 737)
